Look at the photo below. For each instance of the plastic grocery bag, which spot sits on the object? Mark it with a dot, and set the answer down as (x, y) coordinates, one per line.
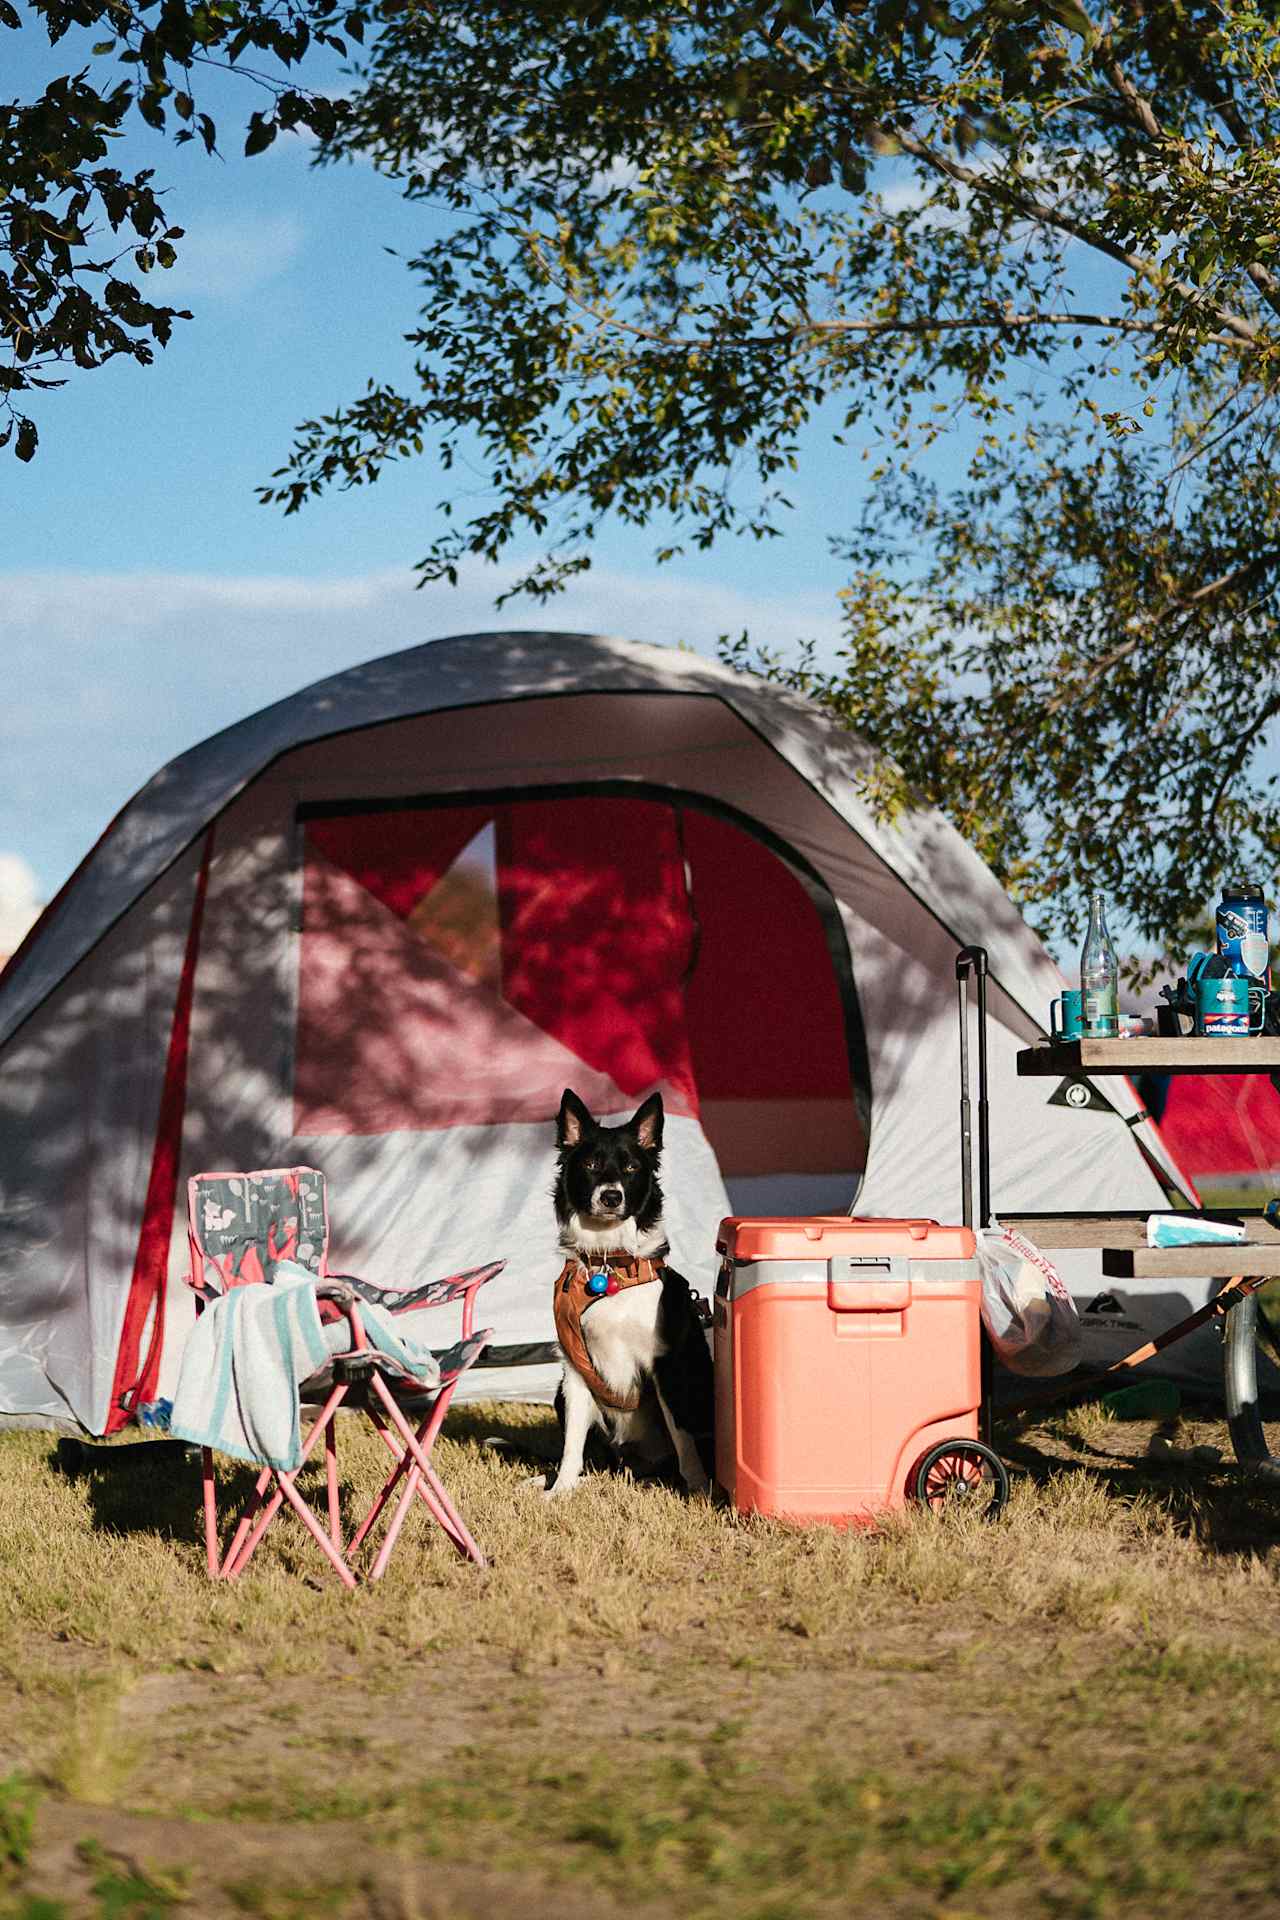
(1030, 1318)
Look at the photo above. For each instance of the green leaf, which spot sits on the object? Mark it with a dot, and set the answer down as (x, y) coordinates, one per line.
(262, 132)
(27, 441)
(1071, 15)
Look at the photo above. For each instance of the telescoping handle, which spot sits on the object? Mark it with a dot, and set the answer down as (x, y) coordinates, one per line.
(974, 960)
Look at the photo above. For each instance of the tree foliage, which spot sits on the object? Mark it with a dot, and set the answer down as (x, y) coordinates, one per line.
(677, 230)
(660, 235)
(77, 233)
(1083, 678)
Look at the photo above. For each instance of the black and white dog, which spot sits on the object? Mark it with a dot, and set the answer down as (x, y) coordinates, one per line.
(636, 1362)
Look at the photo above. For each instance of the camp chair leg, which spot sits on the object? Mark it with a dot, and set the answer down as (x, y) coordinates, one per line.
(426, 1439)
(231, 1562)
(404, 1462)
(422, 1467)
(459, 1531)
(246, 1539)
(317, 1532)
(392, 1533)
(331, 1484)
(285, 1490)
(374, 1514)
(427, 1484)
(211, 1547)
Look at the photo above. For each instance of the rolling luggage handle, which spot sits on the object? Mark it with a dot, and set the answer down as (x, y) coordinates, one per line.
(974, 960)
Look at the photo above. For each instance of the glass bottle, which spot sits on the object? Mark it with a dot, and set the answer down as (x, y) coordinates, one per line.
(1099, 977)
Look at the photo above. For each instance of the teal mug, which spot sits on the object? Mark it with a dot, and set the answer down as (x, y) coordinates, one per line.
(1069, 1025)
(1225, 1009)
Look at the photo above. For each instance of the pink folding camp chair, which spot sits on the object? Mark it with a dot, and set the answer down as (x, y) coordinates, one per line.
(241, 1226)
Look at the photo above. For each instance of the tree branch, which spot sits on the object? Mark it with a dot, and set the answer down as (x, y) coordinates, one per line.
(925, 323)
(1246, 742)
(1139, 107)
(1200, 447)
(1183, 605)
(1144, 116)
(1018, 201)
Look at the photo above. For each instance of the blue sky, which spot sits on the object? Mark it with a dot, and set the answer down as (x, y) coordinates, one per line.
(146, 599)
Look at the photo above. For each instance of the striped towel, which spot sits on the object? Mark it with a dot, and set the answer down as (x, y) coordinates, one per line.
(249, 1353)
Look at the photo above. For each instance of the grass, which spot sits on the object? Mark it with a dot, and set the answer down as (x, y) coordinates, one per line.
(646, 1703)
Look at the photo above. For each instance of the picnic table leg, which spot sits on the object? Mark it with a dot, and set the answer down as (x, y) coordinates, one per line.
(1240, 1358)
(1222, 1302)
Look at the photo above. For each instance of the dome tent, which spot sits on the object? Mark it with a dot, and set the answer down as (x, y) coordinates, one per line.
(379, 925)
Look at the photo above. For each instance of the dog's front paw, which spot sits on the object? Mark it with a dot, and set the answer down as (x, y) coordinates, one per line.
(559, 1489)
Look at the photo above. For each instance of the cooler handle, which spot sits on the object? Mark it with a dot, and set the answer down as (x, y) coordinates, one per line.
(859, 1284)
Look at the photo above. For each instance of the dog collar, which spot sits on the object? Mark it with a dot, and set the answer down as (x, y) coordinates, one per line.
(608, 1272)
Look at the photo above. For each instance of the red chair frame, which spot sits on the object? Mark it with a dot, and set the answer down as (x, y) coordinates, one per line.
(361, 1373)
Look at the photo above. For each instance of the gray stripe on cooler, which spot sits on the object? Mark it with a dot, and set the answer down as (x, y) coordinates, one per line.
(815, 1273)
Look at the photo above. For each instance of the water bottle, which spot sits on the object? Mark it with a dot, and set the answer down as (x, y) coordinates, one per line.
(1099, 977)
(1242, 930)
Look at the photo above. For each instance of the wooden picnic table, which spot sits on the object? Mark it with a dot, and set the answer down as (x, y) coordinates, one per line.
(1151, 1053)
(1122, 1237)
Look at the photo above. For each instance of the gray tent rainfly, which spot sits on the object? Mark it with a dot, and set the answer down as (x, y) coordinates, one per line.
(380, 925)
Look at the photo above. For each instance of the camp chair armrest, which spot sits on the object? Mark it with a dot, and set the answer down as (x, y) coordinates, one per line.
(433, 1293)
(453, 1363)
(464, 1287)
(336, 1290)
(469, 1291)
(345, 1297)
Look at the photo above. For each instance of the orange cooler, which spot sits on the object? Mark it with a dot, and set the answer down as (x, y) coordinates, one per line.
(843, 1350)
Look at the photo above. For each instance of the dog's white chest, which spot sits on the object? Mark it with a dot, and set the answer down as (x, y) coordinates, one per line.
(621, 1332)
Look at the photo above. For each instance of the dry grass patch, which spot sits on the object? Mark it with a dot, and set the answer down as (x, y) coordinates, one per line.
(654, 1700)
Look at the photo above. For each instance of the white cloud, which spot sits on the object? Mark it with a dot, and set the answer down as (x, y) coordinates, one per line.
(109, 676)
(912, 195)
(226, 259)
(19, 900)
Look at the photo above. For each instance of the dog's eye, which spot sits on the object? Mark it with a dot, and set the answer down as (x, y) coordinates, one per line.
(630, 1166)
(593, 1164)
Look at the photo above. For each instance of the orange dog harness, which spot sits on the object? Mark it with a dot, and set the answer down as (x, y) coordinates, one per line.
(573, 1296)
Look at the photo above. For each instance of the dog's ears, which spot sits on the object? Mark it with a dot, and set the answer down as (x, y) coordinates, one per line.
(646, 1123)
(573, 1120)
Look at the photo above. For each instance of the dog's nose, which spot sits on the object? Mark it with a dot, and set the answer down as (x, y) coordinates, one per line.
(611, 1196)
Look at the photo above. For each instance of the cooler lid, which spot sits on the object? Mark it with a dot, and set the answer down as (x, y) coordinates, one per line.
(826, 1236)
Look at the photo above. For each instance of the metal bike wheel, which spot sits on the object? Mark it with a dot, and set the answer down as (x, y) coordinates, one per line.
(1251, 1376)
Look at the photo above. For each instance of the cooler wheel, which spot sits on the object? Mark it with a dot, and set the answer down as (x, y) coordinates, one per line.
(960, 1473)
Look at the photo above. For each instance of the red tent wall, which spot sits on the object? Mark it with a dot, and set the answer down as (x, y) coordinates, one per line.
(767, 1021)
(1222, 1127)
(462, 964)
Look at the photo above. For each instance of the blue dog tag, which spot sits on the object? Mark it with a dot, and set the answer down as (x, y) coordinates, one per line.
(597, 1283)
